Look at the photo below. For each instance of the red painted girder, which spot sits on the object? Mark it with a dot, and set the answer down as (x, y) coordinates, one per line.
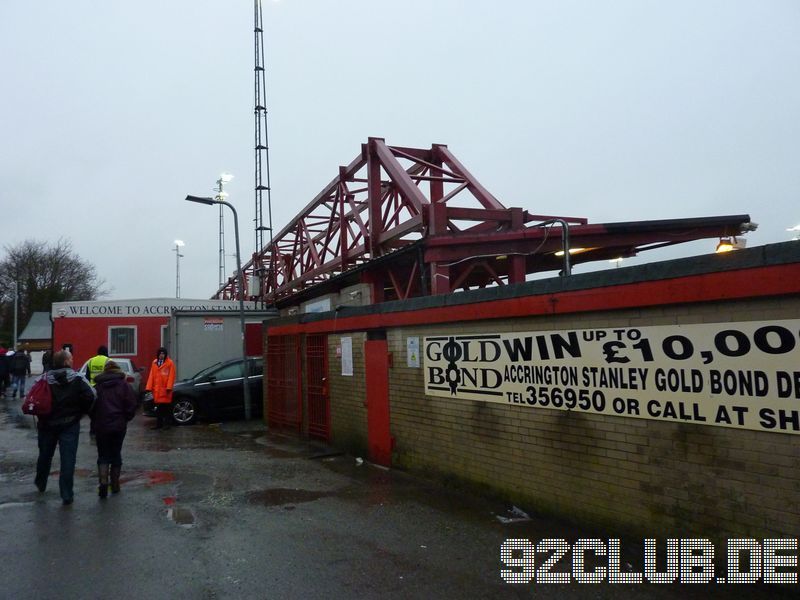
(481, 193)
(398, 175)
(452, 247)
(479, 214)
(331, 233)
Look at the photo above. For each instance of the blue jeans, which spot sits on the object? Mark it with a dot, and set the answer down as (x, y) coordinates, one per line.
(18, 383)
(67, 440)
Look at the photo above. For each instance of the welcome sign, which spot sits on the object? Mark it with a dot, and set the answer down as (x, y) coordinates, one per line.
(153, 307)
(744, 375)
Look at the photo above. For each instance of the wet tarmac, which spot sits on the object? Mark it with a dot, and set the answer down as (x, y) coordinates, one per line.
(235, 511)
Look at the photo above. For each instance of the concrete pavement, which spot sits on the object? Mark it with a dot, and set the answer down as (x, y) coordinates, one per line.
(234, 511)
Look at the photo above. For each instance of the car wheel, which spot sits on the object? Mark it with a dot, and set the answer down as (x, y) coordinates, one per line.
(184, 411)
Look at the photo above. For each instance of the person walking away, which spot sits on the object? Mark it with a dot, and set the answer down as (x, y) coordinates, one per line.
(47, 360)
(159, 383)
(5, 375)
(96, 364)
(94, 367)
(115, 406)
(20, 371)
(73, 397)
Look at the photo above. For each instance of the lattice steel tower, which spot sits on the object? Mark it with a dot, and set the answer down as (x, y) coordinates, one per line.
(261, 136)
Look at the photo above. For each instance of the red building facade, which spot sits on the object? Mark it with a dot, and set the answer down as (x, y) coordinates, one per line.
(132, 329)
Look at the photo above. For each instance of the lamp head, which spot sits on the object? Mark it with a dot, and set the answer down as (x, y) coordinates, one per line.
(201, 200)
(727, 244)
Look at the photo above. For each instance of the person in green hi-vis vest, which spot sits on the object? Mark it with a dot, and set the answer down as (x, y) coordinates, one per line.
(96, 364)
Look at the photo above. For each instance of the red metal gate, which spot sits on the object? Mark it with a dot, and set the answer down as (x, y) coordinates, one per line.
(319, 411)
(283, 382)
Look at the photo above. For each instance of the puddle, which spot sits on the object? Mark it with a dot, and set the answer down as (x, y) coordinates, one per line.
(13, 504)
(281, 496)
(181, 516)
(78, 473)
(159, 477)
(273, 451)
(147, 478)
(326, 456)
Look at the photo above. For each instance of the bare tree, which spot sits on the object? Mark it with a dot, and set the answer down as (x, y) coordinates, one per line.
(45, 273)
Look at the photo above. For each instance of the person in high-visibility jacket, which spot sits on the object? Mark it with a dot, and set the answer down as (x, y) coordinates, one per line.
(96, 364)
(159, 383)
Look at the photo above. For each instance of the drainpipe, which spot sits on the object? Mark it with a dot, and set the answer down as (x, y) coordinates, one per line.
(567, 270)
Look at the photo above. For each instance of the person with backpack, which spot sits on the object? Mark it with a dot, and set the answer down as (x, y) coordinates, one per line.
(20, 368)
(72, 397)
(116, 405)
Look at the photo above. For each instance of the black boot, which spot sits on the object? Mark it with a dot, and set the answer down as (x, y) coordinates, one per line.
(115, 471)
(102, 474)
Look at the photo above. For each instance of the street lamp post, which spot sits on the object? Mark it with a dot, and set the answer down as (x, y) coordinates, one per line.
(246, 386)
(178, 245)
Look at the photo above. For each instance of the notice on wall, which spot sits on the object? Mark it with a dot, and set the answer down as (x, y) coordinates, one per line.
(412, 352)
(347, 356)
(212, 324)
(743, 375)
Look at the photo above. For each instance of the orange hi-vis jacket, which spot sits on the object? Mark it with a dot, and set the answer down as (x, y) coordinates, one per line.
(160, 381)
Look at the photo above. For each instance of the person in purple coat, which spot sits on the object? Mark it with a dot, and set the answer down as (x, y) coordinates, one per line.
(115, 406)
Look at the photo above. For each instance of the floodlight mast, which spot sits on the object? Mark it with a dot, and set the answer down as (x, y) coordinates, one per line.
(262, 183)
(178, 245)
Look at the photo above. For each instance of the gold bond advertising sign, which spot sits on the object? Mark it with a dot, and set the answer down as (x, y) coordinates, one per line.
(743, 375)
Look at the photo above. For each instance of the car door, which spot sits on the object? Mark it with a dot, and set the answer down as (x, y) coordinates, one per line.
(225, 389)
(256, 379)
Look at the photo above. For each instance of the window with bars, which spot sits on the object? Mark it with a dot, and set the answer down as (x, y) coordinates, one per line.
(121, 340)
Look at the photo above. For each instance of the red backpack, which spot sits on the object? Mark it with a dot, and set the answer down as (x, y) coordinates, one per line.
(39, 401)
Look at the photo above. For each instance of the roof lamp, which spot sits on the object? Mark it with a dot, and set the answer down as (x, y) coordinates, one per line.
(731, 243)
(573, 251)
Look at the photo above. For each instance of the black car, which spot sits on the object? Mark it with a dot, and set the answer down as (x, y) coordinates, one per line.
(216, 392)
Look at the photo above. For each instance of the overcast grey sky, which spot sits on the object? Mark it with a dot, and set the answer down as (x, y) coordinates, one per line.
(613, 110)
